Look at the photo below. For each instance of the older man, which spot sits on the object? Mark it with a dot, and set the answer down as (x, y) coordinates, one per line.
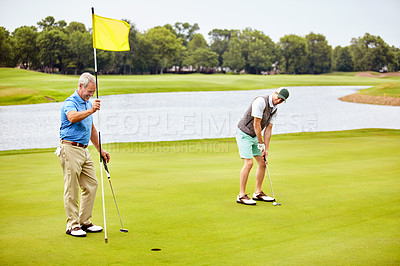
(259, 116)
(76, 130)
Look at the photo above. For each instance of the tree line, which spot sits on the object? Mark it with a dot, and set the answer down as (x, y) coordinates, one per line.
(57, 47)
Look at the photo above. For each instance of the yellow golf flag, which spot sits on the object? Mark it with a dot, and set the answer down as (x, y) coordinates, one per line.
(110, 34)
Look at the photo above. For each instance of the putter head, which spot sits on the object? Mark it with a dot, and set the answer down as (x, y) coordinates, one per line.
(276, 203)
(123, 230)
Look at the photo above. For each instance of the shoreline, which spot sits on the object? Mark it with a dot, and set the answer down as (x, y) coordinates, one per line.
(369, 99)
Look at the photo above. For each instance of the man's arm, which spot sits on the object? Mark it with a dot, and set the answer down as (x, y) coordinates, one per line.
(267, 137)
(258, 129)
(94, 137)
(75, 116)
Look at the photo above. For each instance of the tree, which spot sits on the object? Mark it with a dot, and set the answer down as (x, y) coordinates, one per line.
(6, 48)
(105, 62)
(191, 55)
(294, 52)
(259, 57)
(75, 26)
(49, 23)
(142, 55)
(233, 58)
(395, 65)
(79, 44)
(254, 41)
(165, 47)
(202, 58)
(319, 54)
(25, 46)
(80, 50)
(343, 60)
(198, 54)
(370, 53)
(197, 42)
(185, 31)
(219, 42)
(53, 45)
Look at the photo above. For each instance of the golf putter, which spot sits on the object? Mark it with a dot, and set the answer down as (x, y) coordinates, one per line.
(109, 181)
(272, 190)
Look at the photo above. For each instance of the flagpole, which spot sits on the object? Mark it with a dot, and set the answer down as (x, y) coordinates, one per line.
(98, 126)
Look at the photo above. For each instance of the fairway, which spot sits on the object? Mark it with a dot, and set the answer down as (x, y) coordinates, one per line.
(340, 195)
(27, 87)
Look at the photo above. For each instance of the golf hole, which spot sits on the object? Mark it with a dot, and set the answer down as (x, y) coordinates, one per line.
(156, 249)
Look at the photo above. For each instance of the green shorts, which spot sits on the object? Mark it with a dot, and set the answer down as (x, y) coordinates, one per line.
(247, 145)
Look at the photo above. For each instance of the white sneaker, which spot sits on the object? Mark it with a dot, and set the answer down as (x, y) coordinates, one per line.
(262, 197)
(245, 200)
(91, 228)
(77, 231)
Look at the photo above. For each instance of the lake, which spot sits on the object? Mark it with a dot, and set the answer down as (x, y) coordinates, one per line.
(150, 117)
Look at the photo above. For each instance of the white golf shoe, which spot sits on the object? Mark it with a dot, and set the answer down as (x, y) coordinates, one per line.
(262, 197)
(91, 228)
(77, 231)
(245, 200)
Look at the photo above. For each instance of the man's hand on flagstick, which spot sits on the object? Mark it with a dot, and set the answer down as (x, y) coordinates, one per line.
(105, 155)
(96, 105)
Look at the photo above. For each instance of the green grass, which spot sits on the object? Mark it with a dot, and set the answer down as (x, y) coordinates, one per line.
(28, 87)
(386, 89)
(340, 193)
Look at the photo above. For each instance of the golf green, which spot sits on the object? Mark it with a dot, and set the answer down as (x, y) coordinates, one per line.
(340, 195)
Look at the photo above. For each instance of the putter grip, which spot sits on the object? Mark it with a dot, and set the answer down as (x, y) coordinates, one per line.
(106, 168)
(105, 165)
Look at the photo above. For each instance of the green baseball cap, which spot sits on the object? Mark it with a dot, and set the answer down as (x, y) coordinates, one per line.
(283, 94)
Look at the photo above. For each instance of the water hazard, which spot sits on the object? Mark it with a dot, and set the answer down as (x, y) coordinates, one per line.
(151, 117)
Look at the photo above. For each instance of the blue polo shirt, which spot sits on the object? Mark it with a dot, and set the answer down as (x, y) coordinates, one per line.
(78, 132)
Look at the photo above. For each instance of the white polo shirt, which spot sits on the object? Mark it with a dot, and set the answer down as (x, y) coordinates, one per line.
(258, 106)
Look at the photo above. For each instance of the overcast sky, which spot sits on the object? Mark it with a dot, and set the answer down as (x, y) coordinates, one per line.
(337, 20)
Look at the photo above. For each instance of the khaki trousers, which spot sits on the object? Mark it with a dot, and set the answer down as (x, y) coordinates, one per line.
(78, 170)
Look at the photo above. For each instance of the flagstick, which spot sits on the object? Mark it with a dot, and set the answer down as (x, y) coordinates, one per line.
(101, 158)
(119, 41)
